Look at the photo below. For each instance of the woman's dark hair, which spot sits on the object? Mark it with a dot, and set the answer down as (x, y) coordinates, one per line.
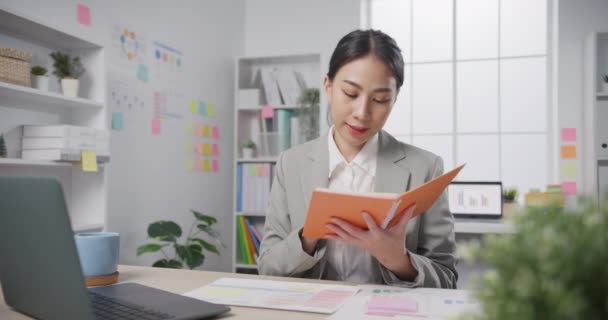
(360, 43)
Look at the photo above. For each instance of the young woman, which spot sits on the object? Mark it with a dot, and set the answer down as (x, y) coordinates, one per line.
(364, 78)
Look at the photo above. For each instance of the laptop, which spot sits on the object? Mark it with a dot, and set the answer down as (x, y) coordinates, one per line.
(475, 200)
(40, 271)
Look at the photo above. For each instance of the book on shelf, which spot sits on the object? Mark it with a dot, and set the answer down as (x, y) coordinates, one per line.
(385, 208)
(253, 186)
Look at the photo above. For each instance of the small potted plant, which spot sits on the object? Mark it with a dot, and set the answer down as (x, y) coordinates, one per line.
(67, 69)
(247, 148)
(605, 83)
(2, 146)
(40, 79)
(509, 197)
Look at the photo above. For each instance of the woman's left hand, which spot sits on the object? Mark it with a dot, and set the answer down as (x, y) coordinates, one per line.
(386, 245)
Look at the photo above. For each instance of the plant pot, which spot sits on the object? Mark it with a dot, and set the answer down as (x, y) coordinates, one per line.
(69, 87)
(247, 153)
(509, 207)
(41, 83)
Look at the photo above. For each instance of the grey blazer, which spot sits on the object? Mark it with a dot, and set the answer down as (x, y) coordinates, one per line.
(400, 167)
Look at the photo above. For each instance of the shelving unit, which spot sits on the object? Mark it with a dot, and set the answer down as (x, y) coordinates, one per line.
(595, 131)
(86, 193)
(247, 125)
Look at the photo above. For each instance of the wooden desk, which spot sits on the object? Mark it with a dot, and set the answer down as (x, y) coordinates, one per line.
(181, 281)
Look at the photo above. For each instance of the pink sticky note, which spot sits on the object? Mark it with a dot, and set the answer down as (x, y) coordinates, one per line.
(267, 111)
(198, 148)
(84, 15)
(215, 132)
(198, 164)
(155, 127)
(215, 150)
(215, 165)
(199, 130)
(266, 171)
(569, 188)
(569, 134)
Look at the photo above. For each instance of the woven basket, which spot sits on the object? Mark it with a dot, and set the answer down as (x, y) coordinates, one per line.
(15, 66)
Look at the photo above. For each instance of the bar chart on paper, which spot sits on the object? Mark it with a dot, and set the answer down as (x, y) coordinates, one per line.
(475, 198)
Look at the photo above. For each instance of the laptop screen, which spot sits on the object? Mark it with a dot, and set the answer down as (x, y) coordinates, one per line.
(475, 199)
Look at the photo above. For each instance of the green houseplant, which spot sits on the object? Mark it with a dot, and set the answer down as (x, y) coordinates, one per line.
(509, 195)
(189, 253)
(67, 69)
(2, 146)
(553, 267)
(41, 80)
(247, 148)
(308, 114)
(605, 83)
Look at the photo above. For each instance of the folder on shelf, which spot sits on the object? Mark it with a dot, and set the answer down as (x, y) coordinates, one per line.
(242, 244)
(385, 208)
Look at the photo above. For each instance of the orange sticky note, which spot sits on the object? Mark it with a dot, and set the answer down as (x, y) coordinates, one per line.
(199, 130)
(568, 152)
(198, 164)
(206, 166)
(198, 148)
(207, 149)
(89, 161)
(206, 131)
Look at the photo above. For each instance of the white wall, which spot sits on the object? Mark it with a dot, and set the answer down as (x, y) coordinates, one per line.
(577, 19)
(146, 177)
(277, 27)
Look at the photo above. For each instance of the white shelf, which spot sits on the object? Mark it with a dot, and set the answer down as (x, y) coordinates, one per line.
(39, 163)
(602, 94)
(29, 29)
(261, 159)
(30, 98)
(246, 266)
(258, 108)
(251, 214)
(483, 227)
(88, 227)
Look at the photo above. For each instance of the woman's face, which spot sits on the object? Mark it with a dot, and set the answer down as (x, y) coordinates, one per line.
(361, 97)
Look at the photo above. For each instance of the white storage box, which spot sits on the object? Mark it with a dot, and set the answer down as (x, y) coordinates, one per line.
(66, 143)
(64, 131)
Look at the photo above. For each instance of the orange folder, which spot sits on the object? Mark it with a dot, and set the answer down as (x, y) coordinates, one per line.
(385, 208)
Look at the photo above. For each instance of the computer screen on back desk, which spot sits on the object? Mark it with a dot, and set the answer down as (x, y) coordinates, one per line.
(481, 199)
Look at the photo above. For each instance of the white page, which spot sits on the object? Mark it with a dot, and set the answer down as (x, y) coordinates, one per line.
(297, 296)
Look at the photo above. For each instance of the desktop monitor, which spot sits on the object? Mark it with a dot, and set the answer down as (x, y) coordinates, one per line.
(475, 199)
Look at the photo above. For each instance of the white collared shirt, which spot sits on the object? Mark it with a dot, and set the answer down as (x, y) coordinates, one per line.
(346, 262)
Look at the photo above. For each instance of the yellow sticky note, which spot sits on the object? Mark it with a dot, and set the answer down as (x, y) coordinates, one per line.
(193, 106)
(206, 166)
(568, 170)
(206, 131)
(207, 149)
(89, 161)
(210, 110)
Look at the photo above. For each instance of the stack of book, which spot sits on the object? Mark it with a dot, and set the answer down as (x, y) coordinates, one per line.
(249, 239)
(64, 143)
(253, 187)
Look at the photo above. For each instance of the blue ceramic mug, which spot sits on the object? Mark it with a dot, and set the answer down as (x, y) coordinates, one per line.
(98, 252)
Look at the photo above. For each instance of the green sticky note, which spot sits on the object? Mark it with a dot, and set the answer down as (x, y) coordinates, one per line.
(193, 106)
(252, 170)
(568, 170)
(210, 110)
(117, 121)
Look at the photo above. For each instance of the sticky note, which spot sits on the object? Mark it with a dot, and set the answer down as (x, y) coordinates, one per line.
(568, 170)
(215, 132)
(198, 147)
(142, 73)
(206, 131)
(188, 165)
(198, 164)
(259, 171)
(210, 110)
(206, 166)
(215, 165)
(215, 150)
(267, 112)
(199, 130)
(84, 14)
(117, 121)
(568, 152)
(188, 129)
(193, 106)
(156, 127)
(569, 188)
(252, 170)
(569, 134)
(207, 149)
(89, 161)
(266, 171)
(202, 109)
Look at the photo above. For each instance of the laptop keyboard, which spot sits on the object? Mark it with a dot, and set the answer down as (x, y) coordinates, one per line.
(112, 309)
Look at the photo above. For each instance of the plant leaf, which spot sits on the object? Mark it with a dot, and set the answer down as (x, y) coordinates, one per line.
(164, 231)
(170, 264)
(208, 246)
(205, 218)
(208, 230)
(151, 247)
(192, 255)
